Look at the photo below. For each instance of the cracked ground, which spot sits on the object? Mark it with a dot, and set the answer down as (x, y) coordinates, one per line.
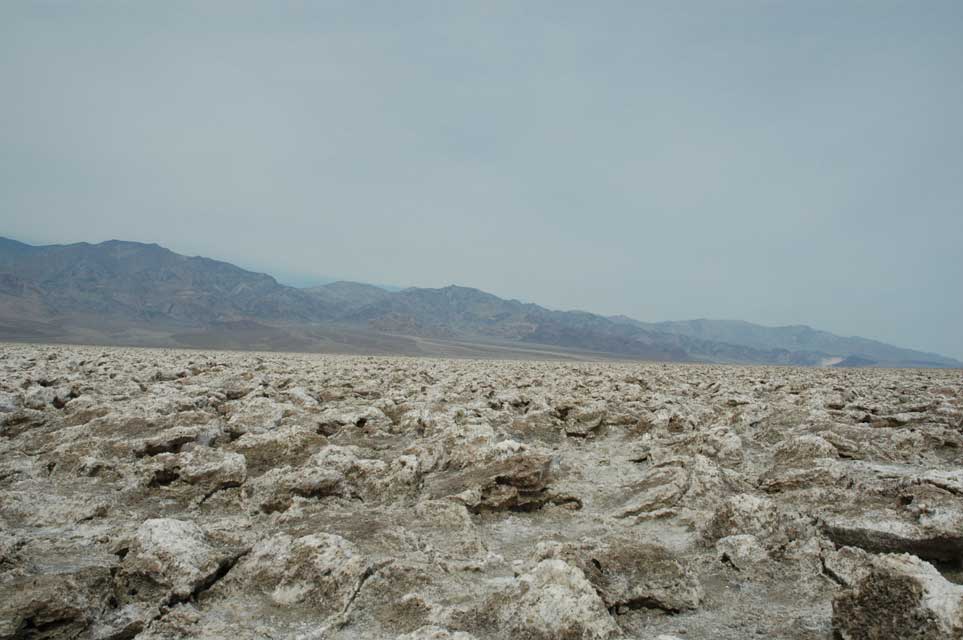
(177, 494)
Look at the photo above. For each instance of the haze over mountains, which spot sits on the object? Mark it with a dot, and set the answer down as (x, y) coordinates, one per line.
(131, 293)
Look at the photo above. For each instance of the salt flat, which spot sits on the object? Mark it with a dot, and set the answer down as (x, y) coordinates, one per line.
(175, 494)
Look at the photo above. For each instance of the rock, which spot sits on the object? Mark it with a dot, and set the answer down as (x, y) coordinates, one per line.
(802, 449)
(630, 574)
(291, 444)
(394, 594)
(459, 446)
(554, 601)
(34, 508)
(40, 398)
(335, 470)
(57, 604)
(254, 415)
(277, 489)
(21, 421)
(845, 447)
(540, 424)
(124, 622)
(9, 402)
(169, 441)
(320, 571)
(846, 565)
(900, 596)
(583, 421)
(950, 481)
(662, 488)
(448, 527)
(211, 468)
(168, 560)
(514, 478)
(368, 477)
(918, 514)
(759, 517)
(179, 621)
(892, 535)
(813, 477)
(208, 469)
(237, 386)
(724, 445)
(435, 633)
(333, 420)
(741, 551)
(302, 397)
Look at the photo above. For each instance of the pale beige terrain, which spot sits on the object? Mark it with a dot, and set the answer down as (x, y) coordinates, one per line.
(181, 494)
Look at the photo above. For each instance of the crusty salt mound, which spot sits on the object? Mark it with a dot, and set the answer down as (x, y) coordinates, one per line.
(160, 494)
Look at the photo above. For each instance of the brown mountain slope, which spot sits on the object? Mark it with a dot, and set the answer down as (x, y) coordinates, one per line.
(142, 294)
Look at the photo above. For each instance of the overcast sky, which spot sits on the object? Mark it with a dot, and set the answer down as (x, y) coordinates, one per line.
(778, 162)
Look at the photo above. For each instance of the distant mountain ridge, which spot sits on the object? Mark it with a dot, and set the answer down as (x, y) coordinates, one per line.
(119, 292)
(147, 282)
(794, 339)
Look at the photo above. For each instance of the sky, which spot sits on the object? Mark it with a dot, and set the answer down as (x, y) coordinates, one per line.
(776, 162)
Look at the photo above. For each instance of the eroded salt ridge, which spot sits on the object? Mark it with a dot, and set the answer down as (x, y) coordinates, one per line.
(162, 494)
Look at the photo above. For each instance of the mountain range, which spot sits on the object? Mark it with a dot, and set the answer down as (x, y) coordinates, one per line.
(130, 293)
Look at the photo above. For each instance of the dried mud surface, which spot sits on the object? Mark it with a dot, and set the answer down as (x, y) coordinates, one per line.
(176, 494)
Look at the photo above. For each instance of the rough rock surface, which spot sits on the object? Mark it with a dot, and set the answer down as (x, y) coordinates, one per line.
(168, 494)
(900, 596)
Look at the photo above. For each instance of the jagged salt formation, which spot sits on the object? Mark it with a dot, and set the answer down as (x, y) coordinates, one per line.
(162, 494)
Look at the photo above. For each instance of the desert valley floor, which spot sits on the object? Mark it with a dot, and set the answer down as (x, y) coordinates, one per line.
(181, 494)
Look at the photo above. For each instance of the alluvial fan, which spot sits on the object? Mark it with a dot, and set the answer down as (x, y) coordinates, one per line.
(176, 494)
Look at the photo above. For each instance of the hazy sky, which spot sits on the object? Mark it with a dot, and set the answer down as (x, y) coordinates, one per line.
(778, 162)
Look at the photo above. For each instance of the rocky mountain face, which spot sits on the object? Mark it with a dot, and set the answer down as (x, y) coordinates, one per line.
(167, 495)
(145, 282)
(345, 298)
(461, 311)
(798, 339)
(142, 294)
